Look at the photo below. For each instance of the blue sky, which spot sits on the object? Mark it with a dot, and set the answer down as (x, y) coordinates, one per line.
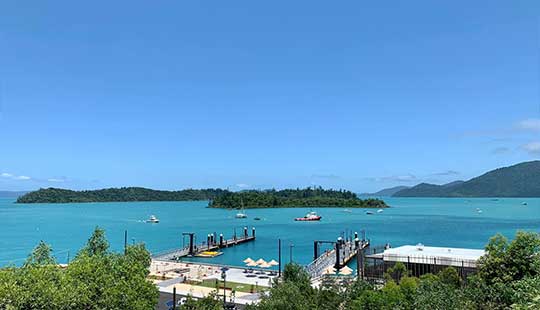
(252, 94)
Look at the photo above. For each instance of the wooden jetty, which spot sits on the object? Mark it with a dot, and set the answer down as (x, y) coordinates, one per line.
(343, 252)
(213, 242)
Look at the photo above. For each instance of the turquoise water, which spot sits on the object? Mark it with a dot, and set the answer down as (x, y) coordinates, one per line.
(449, 222)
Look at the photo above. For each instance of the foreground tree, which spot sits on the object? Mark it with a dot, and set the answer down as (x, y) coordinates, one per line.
(95, 279)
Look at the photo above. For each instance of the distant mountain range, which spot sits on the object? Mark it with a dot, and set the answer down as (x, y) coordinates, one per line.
(11, 194)
(521, 180)
(387, 192)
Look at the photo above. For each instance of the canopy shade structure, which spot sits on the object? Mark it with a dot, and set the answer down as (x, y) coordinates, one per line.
(261, 261)
(248, 260)
(265, 265)
(330, 270)
(252, 264)
(345, 271)
(273, 263)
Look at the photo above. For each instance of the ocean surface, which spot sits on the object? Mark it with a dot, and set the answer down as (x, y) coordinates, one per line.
(447, 222)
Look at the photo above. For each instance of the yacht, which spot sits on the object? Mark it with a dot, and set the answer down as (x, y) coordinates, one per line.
(152, 219)
(311, 216)
(241, 214)
(369, 212)
(380, 211)
(524, 203)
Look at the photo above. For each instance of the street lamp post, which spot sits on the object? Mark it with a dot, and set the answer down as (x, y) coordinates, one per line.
(224, 277)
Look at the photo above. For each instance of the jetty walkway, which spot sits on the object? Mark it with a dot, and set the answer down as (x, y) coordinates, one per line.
(343, 252)
(213, 243)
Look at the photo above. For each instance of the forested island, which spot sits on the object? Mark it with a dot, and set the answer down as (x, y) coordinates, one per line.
(58, 195)
(293, 198)
(219, 198)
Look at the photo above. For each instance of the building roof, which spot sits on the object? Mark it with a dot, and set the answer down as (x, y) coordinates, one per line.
(432, 255)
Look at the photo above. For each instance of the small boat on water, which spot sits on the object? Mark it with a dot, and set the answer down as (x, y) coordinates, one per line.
(241, 214)
(369, 212)
(524, 203)
(152, 219)
(347, 210)
(311, 216)
(380, 211)
(478, 210)
(257, 218)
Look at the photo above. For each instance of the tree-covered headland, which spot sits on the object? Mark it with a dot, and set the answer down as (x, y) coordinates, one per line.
(291, 198)
(219, 198)
(58, 195)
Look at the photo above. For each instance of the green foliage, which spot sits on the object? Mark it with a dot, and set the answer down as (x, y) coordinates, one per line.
(95, 279)
(58, 195)
(210, 302)
(396, 272)
(450, 277)
(97, 244)
(520, 180)
(41, 255)
(506, 262)
(308, 197)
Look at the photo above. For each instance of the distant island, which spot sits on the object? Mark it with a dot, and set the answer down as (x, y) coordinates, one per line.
(521, 180)
(218, 198)
(294, 198)
(58, 195)
(387, 192)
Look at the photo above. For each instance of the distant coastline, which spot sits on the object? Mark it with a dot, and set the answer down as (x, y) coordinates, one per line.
(218, 198)
(123, 194)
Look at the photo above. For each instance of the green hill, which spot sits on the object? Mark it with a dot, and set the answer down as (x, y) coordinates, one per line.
(58, 195)
(291, 198)
(521, 180)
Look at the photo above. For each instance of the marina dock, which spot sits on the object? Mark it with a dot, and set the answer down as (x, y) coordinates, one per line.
(204, 249)
(345, 249)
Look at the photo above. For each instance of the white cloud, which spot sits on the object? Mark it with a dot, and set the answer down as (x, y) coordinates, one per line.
(56, 180)
(242, 185)
(533, 148)
(6, 175)
(22, 177)
(531, 124)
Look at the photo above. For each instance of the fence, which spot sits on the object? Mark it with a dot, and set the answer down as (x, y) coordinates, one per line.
(377, 264)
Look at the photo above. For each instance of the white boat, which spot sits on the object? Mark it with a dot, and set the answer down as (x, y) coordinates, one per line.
(152, 219)
(478, 210)
(347, 210)
(380, 211)
(241, 215)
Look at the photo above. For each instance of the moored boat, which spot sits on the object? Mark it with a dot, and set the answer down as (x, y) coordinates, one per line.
(311, 216)
(152, 219)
